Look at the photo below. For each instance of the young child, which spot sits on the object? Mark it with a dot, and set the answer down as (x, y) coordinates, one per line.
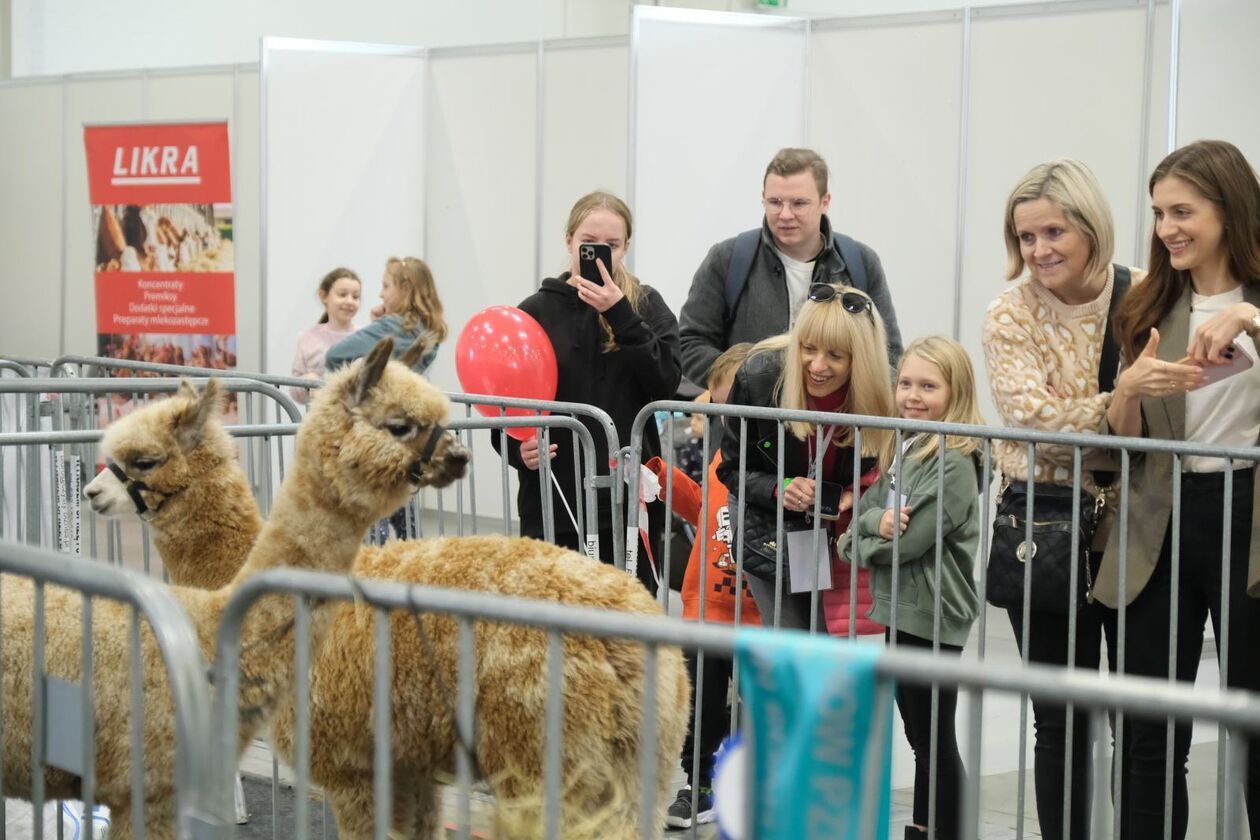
(339, 293)
(713, 554)
(935, 382)
(409, 306)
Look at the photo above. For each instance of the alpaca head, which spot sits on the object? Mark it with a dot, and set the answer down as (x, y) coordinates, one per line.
(374, 435)
(156, 452)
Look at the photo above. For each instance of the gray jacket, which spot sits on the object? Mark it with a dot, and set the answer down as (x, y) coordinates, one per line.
(762, 310)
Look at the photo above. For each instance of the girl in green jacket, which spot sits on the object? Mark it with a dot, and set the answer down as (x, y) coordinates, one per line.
(935, 382)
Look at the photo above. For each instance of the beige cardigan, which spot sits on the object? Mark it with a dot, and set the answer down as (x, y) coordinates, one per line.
(1150, 476)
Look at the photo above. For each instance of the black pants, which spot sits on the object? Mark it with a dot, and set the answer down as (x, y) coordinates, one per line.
(914, 702)
(1149, 629)
(1048, 644)
(715, 721)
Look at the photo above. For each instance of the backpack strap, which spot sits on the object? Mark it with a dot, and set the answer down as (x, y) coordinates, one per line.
(740, 266)
(852, 256)
(1109, 358)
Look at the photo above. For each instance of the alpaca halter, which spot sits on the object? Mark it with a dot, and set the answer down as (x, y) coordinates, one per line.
(135, 487)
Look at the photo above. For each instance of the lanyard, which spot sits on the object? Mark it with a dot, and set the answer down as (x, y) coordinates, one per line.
(813, 465)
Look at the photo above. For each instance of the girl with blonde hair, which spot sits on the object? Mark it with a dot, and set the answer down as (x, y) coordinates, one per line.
(933, 607)
(834, 359)
(409, 307)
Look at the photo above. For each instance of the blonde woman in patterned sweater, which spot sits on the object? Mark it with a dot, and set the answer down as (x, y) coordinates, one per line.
(1042, 340)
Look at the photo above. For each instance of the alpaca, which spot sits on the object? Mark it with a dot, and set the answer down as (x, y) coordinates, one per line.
(370, 440)
(602, 705)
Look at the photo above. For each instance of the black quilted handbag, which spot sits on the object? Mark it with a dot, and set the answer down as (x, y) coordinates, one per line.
(760, 539)
(1047, 559)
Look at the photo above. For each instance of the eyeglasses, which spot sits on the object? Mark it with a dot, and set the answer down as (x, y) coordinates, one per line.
(851, 301)
(774, 206)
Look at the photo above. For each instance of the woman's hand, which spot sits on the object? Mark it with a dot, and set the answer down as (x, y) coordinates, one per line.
(1152, 377)
(798, 494)
(600, 298)
(886, 522)
(529, 452)
(1209, 342)
(846, 500)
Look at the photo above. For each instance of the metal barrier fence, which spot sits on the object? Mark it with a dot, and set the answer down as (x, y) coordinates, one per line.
(1235, 712)
(1078, 445)
(93, 694)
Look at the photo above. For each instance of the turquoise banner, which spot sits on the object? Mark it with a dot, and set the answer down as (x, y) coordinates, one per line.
(820, 731)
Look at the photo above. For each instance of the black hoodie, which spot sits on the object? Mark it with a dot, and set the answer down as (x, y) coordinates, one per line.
(646, 366)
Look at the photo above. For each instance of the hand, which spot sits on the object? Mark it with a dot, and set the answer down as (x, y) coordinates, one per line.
(1151, 377)
(886, 521)
(1209, 342)
(377, 312)
(529, 452)
(846, 501)
(599, 298)
(799, 494)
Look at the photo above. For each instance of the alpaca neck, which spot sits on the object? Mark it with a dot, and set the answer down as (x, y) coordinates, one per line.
(209, 530)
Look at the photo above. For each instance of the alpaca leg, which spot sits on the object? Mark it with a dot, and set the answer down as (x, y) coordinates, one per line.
(427, 805)
(352, 806)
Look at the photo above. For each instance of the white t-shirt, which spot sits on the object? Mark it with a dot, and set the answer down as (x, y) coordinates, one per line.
(1225, 413)
(798, 276)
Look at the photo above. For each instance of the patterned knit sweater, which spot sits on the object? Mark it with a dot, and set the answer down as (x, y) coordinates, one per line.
(1042, 357)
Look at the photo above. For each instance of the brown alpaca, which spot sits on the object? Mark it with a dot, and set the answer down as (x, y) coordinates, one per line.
(602, 677)
(357, 457)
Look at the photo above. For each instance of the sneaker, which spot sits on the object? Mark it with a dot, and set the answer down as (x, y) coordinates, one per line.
(679, 814)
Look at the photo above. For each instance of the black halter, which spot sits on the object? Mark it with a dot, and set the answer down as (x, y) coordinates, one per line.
(431, 444)
(135, 487)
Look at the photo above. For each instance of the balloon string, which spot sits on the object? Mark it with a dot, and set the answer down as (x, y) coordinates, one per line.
(565, 502)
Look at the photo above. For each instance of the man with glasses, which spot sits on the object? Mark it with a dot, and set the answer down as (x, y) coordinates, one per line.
(751, 286)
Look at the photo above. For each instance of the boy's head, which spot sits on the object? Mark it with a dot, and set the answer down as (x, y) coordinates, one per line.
(722, 371)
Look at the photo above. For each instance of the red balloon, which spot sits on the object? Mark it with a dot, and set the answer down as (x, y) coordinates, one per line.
(504, 352)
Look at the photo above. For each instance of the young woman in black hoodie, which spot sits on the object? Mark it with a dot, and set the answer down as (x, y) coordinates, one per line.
(617, 349)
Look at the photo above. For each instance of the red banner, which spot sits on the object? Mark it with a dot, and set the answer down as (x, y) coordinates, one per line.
(162, 213)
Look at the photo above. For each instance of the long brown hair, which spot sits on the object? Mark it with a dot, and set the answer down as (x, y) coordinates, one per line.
(330, 280)
(421, 304)
(1222, 175)
(627, 282)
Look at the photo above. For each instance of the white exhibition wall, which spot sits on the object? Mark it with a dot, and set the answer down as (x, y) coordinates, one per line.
(695, 148)
(509, 143)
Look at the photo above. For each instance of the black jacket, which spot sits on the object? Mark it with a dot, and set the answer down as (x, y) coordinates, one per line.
(645, 367)
(754, 386)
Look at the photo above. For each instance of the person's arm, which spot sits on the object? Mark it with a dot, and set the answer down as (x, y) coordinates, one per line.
(301, 369)
(918, 541)
(877, 288)
(360, 343)
(650, 342)
(760, 486)
(702, 326)
(1020, 386)
(687, 500)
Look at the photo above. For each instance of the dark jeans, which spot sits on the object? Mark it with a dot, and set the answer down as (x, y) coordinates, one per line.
(794, 611)
(1149, 629)
(715, 721)
(1048, 644)
(914, 702)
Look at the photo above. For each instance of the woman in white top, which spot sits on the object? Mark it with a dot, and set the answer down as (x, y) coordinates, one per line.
(1200, 300)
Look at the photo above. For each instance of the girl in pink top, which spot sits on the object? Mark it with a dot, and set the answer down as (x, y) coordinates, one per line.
(339, 293)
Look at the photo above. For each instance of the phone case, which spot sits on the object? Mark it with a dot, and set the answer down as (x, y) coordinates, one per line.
(588, 252)
(1240, 362)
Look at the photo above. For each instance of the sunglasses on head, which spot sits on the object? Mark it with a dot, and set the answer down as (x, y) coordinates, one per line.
(851, 301)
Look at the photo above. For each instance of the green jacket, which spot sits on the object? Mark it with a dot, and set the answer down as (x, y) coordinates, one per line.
(916, 578)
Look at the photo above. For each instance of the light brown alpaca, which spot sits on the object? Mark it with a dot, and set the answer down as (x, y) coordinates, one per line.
(602, 678)
(357, 457)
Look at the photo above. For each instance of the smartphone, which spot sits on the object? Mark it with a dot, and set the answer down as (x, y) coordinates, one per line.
(1237, 361)
(829, 493)
(588, 252)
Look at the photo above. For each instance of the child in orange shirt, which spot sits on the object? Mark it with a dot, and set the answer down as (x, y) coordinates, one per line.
(708, 594)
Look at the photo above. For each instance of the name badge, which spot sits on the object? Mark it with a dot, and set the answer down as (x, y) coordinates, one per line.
(808, 568)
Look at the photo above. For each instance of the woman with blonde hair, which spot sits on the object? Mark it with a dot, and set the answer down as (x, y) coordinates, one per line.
(616, 346)
(834, 359)
(1051, 362)
(409, 307)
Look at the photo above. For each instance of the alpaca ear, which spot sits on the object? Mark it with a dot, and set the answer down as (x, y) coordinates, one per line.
(190, 422)
(418, 350)
(371, 371)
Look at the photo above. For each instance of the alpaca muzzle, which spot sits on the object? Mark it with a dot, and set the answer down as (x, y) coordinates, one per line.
(443, 461)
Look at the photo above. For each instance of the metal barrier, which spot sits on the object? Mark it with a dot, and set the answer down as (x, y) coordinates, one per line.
(1073, 443)
(106, 711)
(1237, 712)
